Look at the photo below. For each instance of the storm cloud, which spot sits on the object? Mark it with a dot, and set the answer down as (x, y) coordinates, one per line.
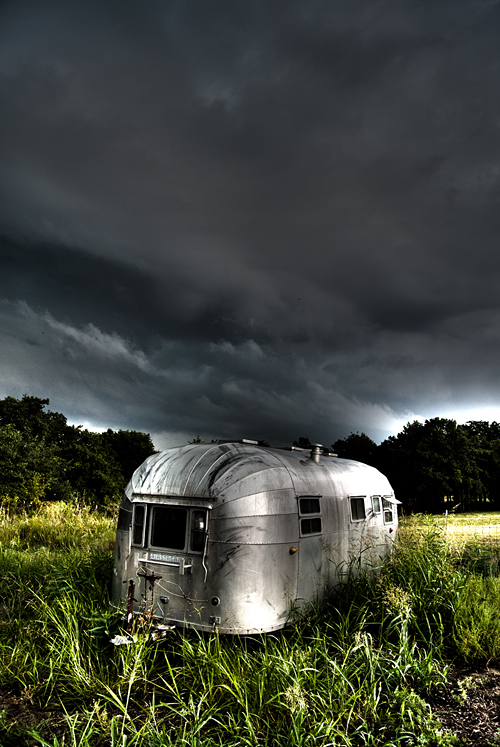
(251, 219)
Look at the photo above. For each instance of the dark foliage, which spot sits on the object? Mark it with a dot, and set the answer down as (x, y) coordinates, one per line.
(436, 465)
(357, 446)
(303, 443)
(42, 457)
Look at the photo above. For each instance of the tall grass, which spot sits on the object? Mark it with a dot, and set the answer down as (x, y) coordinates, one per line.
(355, 670)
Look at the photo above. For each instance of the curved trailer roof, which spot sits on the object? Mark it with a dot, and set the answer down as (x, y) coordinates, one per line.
(232, 470)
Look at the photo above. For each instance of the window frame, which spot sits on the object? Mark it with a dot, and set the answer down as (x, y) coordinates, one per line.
(136, 506)
(379, 500)
(353, 498)
(191, 531)
(188, 531)
(306, 515)
(307, 512)
(386, 508)
(151, 546)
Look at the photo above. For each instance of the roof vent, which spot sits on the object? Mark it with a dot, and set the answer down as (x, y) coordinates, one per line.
(316, 451)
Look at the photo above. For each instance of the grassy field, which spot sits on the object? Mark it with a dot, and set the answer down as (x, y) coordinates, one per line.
(470, 519)
(356, 670)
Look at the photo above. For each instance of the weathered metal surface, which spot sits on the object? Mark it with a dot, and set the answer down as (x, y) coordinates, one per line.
(243, 574)
(130, 603)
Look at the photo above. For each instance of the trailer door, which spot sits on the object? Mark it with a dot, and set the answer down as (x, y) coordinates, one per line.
(310, 575)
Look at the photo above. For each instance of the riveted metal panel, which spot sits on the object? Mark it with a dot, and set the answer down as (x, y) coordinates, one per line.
(275, 477)
(255, 530)
(257, 587)
(259, 504)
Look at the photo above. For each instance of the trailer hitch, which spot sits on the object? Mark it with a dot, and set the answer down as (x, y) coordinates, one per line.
(153, 634)
(150, 576)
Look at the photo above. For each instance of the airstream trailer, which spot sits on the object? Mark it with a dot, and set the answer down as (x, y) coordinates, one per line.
(235, 535)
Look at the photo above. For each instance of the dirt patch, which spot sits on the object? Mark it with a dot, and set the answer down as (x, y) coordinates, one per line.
(469, 706)
(20, 714)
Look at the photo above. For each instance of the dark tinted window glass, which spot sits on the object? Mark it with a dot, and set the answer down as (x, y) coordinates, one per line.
(124, 519)
(310, 526)
(138, 530)
(169, 527)
(309, 505)
(198, 530)
(358, 509)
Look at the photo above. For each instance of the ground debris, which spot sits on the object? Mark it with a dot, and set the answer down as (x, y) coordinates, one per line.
(469, 706)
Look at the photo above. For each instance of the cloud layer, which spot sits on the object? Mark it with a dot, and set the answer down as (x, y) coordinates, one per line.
(250, 219)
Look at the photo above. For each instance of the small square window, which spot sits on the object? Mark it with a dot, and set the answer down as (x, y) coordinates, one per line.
(358, 512)
(388, 512)
(309, 506)
(310, 526)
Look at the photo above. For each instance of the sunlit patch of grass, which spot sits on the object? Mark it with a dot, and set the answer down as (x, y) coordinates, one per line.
(57, 525)
(474, 518)
(472, 543)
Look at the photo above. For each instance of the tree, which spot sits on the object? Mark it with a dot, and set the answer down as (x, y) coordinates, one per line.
(91, 470)
(487, 439)
(41, 454)
(130, 448)
(28, 416)
(357, 446)
(303, 443)
(28, 467)
(428, 462)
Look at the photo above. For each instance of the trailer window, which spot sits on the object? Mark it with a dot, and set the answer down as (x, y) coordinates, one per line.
(376, 504)
(388, 512)
(309, 505)
(138, 525)
(198, 530)
(124, 519)
(169, 527)
(310, 526)
(358, 509)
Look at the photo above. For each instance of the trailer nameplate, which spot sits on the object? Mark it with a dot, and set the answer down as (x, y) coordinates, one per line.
(165, 558)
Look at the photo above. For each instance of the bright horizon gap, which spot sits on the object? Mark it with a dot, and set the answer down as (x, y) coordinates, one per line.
(164, 439)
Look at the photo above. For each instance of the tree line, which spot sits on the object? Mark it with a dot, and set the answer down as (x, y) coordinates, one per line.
(432, 466)
(436, 465)
(44, 458)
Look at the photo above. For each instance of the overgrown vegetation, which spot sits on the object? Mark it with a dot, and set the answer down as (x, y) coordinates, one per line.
(357, 670)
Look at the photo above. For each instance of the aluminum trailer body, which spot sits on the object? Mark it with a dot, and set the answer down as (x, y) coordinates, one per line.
(235, 536)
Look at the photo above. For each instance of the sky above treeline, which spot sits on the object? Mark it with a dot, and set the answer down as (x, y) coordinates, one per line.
(251, 219)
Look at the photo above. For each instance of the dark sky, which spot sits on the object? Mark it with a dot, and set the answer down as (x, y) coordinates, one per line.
(251, 219)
